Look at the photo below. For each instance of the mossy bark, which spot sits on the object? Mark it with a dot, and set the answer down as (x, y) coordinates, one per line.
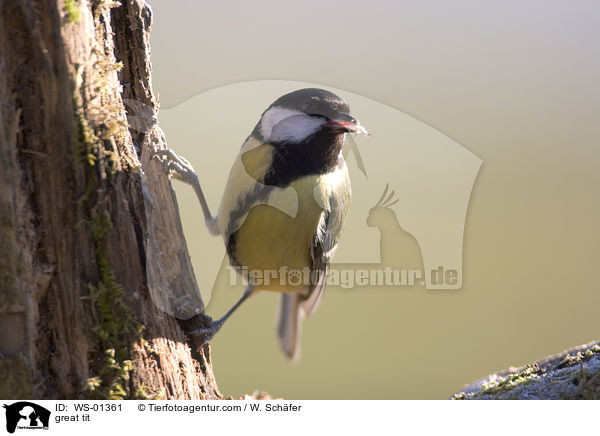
(573, 374)
(77, 316)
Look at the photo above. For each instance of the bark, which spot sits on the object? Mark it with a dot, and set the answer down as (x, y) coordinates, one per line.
(94, 264)
(573, 374)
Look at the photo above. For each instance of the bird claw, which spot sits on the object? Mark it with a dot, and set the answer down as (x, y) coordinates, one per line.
(176, 166)
(207, 333)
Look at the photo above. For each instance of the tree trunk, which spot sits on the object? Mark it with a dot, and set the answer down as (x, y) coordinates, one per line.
(92, 270)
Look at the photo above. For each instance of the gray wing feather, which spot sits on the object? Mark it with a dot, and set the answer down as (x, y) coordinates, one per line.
(322, 250)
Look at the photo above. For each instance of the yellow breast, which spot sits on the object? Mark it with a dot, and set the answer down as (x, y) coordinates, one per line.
(274, 243)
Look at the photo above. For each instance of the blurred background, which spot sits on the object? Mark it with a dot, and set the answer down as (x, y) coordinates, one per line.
(510, 92)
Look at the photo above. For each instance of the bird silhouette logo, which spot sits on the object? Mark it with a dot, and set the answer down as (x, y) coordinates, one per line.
(398, 248)
(420, 223)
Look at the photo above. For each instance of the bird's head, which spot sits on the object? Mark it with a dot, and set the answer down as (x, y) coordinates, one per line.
(296, 117)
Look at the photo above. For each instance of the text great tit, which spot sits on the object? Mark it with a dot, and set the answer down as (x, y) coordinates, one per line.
(284, 205)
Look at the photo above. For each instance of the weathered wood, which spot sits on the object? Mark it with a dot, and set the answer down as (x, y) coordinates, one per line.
(77, 239)
(573, 374)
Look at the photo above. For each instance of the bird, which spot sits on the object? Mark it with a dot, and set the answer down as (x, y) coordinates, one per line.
(284, 205)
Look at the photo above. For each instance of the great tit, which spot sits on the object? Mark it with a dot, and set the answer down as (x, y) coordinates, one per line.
(284, 205)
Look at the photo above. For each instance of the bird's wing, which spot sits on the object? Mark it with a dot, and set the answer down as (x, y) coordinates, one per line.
(244, 188)
(324, 245)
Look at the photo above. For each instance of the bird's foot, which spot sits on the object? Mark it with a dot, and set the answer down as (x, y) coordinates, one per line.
(176, 166)
(209, 332)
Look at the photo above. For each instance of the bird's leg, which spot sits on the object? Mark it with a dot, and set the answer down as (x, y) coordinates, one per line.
(181, 169)
(215, 326)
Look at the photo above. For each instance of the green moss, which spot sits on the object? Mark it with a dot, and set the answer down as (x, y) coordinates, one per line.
(572, 359)
(145, 392)
(85, 142)
(148, 349)
(503, 384)
(116, 322)
(113, 379)
(99, 146)
(115, 326)
(72, 9)
(569, 376)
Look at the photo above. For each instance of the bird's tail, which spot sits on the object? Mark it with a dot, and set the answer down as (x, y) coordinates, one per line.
(289, 319)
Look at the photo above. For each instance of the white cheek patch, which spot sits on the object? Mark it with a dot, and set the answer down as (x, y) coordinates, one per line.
(274, 116)
(295, 128)
(282, 124)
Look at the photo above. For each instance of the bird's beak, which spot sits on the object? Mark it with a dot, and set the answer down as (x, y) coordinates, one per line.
(346, 123)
